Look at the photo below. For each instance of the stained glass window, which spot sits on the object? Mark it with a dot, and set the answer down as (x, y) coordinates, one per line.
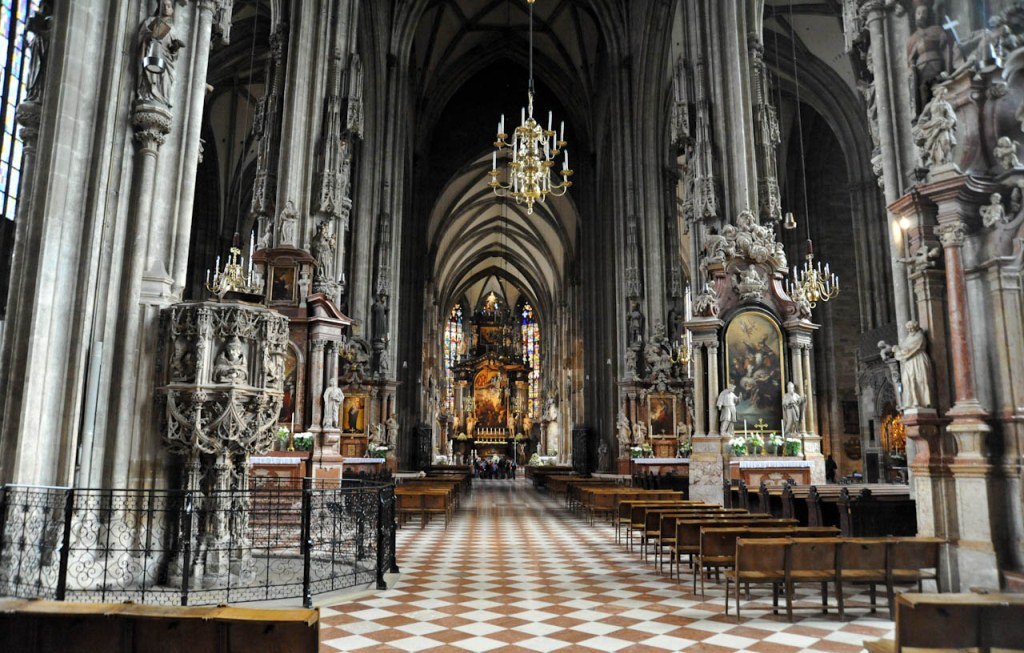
(14, 58)
(531, 358)
(454, 336)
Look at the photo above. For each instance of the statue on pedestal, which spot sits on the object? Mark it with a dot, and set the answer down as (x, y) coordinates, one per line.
(157, 52)
(727, 410)
(602, 456)
(391, 424)
(915, 368)
(927, 54)
(935, 132)
(333, 398)
(792, 410)
(622, 434)
(640, 432)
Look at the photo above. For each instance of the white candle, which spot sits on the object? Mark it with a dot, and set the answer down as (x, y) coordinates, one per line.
(549, 121)
(744, 426)
(501, 127)
(252, 242)
(494, 160)
(561, 130)
(216, 266)
(522, 116)
(565, 161)
(207, 276)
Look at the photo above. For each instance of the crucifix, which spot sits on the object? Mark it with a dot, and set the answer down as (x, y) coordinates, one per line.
(950, 26)
(761, 425)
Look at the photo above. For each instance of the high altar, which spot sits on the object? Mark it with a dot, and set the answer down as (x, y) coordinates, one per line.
(491, 389)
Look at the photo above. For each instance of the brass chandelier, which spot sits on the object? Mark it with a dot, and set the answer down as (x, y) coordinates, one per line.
(533, 154)
(236, 275)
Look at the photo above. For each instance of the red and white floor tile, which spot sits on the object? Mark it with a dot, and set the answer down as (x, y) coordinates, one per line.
(516, 571)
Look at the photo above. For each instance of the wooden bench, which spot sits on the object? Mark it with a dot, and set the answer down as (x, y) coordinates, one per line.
(956, 621)
(455, 485)
(425, 501)
(58, 627)
(872, 513)
(624, 513)
(833, 560)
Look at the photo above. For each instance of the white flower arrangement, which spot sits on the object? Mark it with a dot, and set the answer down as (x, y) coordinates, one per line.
(774, 439)
(738, 444)
(755, 439)
(535, 460)
(374, 450)
(792, 447)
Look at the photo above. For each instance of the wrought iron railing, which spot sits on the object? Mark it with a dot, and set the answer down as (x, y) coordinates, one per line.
(280, 539)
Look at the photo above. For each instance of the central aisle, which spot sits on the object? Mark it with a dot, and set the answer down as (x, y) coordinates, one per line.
(516, 571)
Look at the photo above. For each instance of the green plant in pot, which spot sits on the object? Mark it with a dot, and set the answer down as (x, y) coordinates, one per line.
(792, 447)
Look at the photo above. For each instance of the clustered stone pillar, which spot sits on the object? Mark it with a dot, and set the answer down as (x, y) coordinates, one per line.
(707, 462)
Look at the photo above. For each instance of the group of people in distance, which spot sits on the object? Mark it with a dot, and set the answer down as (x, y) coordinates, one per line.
(500, 468)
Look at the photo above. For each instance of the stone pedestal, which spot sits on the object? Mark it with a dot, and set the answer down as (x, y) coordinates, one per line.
(707, 469)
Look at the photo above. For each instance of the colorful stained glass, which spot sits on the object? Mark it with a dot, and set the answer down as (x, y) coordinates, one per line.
(531, 358)
(14, 15)
(454, 337)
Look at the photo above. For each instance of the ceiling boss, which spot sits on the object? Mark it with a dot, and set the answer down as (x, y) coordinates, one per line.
(533, 154)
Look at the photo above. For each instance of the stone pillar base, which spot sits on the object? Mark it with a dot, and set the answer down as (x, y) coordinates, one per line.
(707, 477)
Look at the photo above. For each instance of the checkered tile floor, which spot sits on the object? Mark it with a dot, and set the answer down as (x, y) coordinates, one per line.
(516, 571)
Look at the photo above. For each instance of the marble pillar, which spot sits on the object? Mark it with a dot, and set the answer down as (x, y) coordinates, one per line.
(316, 385)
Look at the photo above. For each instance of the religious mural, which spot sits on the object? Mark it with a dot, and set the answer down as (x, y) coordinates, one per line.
(487, 395)
(754, 355)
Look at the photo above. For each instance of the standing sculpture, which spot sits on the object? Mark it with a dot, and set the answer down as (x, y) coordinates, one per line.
(602, 456)
(915, 368)
(639, 432)
(727, 410)
(928, 54)
(792, 410)
(622, 434)
(333, 398)
(391, 427)
(158, 50)
(935, 132)
(551, 415)
(231, 366)
(323, 248)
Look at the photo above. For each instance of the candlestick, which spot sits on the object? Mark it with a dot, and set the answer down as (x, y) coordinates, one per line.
(494, 160)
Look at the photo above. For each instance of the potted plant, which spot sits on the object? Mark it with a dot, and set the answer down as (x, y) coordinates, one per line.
(738, 445)
(282, 439)
(374, 450)
(685, 449)
(792, 447)
(535, 460)
(636, 452)
(755, 443)
(646, 451)
(775, 443)
(303, 441)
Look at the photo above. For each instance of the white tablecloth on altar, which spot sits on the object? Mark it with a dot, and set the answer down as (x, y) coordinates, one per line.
(362, 461)
(274, 460)
(661, 461)
(772, 464)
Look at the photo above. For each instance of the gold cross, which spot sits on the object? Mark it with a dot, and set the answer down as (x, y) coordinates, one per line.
(761, 425)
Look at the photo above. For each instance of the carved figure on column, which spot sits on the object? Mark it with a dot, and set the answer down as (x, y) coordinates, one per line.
(639, 432)
(727, 410)
(928, 53)
(923, 258)
(379, 322)
(324, 244)
(792, 410)
(915, 368)
(935, 132)
(636, 326)
(705, 304)
(622, 433)
(158, 50)
(551, 415)
(602, 456)
(1005, 153)
(230, 366)
(37, 52)
(289, 218)
(333, 398)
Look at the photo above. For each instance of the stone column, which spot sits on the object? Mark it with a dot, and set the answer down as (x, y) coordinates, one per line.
(796, 366)
(713, 387)
(316, 384)
(699, 400)
(810, 412)
(972, 471)
(898, 156)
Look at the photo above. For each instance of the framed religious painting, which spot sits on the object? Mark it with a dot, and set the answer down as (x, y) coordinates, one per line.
(282, 284)
(754, 364)
(661, 414)
(352, 416)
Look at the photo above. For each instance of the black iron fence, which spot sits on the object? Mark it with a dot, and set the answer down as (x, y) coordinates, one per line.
(277, 540)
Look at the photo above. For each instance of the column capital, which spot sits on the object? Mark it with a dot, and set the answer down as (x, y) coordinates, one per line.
(952, 234)
(151, 124)
(318, 345)
(28, 117)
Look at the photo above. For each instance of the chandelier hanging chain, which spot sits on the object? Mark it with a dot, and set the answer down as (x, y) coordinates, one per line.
(813, 283)
(533, 152)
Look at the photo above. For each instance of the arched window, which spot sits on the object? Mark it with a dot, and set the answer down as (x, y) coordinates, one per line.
(454, 336)
(531, 358)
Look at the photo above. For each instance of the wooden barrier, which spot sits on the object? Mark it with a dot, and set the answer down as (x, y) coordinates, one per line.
(956, 621)
(59, 627)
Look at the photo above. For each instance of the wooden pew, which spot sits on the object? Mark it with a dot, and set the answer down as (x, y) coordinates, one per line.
(59, 627)
(424, 501)
(455, 485)
(955, 621)
(624, 512)
(874, 514)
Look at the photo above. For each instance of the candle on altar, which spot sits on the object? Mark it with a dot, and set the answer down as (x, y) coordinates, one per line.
(744, 426)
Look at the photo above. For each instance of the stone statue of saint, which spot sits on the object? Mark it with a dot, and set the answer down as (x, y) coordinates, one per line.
(928, 54)
(40, 25)
(1005, 153)
(551, 415)
(333, 398)
(379, 320)
(324, 244)
(727, 410)
(391, 425)
(303, 284)
(636, 326)
(158, 50)
(622, 433)
(602, 456)
(230, 365)
(915, 368)
(935, 132)
(448, 452)
(640, 432)
(792, 410)
(994, 213)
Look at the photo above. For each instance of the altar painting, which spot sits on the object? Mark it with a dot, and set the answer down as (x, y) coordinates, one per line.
(661, 411)
(488, 399)
(754, 364)
(282, 286)
(352, 415)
